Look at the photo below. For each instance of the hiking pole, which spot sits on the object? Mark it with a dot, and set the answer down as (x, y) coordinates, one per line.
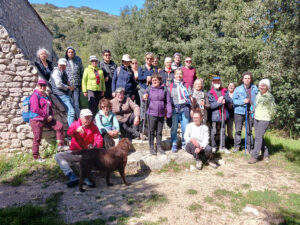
(144, 121)
(221, 130)
(246, 125)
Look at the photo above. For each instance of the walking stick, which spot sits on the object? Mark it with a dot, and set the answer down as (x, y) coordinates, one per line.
(144, 121)
(222, 124)
(246, 125)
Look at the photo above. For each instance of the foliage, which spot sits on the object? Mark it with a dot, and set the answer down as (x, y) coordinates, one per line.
(223, 37)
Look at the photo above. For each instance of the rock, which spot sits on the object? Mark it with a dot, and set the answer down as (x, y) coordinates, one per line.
(49, 134)
(12, 67)
(251, 210)
(9, 56)
(15, 90)
(155, 162)
(2, 55)
(3, 33)
(19, 56)
(2, 67)
(3, 127)
(31, 78)
(11, 128)
(4, 119)
(192, 168)
(5, 48)
(221, 161)
(182, 157)
(17, 121)
(6, 78)
(4, 61)
(14, 84)
(18, 78)
(16, 143)
(27, 143)
(20, 68)
(20, 62)
(27, 89)
(8, 135)
(21, 136)
(14, 48)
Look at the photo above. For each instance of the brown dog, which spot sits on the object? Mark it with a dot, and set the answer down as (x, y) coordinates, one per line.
(114, 158)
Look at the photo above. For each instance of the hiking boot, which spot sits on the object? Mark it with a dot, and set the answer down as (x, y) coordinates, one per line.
(214, 150)
(183, 147)
(213, 164)
(152, 151)
(87, 182)
(236, 149)
(252, 160)
(225, 150)
(199, 165)
(174, 148)
(40, 160)
(160, 150)
(63, 148)
(73, 179)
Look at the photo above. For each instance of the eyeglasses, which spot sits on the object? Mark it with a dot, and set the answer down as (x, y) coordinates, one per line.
(188, 61)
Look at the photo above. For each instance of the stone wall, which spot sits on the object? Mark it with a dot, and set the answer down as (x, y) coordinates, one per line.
(25, 26)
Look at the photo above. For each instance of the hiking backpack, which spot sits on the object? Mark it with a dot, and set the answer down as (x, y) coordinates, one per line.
(27, 114)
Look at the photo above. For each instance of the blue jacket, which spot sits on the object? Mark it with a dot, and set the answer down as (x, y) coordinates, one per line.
(143, 74)
(124, 77)
(216, 108)
(239, 95)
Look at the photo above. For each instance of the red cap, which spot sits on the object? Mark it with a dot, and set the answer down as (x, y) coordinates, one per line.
(43, 82)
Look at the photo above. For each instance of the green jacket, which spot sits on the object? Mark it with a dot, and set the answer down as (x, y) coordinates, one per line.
(89, 80)
(265, 106)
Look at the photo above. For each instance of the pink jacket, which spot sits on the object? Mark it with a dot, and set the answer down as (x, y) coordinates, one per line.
(40, 105)
(91, 135)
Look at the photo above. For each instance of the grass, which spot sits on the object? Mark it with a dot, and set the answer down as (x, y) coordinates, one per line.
(191, 192)
(123, 220)
(209, 199)
(161, 220)
(246, 186)
(172, 166)
(155, 200)
(220, 174)
(194, 207)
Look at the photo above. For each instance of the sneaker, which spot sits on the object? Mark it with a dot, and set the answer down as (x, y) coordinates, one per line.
(152, 151)
(212, 164)
(225, 150)
(266, 159)
(40, 160)
(160, 150)
(183, 147)
(142, 137)
(174, 148)
(63, 148)
(73, 179)
(214, 150)
(236, 149)
(199, 165)
(87, 182)
(252, 160)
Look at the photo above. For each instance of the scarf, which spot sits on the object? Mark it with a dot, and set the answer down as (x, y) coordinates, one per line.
(182, 92)
(97, 76)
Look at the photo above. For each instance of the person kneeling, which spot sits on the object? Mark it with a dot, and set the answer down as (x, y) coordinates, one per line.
(197, 138)
(107, 123)
(85, 135)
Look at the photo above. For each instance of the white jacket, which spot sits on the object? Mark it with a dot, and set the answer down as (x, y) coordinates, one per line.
(200, 133)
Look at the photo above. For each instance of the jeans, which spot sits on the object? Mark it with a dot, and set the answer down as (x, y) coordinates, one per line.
(65, 159)
(155, 126)
(239, 119)
(204, 155)
(213, 132)
(76, 101)
(37, 130)
(260, 127)
(68, 104)
(176, 118)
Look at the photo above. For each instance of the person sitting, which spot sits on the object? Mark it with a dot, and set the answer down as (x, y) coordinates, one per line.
(43, 65)
(127, 113)
(197, 138)
(107, 123)
(159, 107)
(219, 103)
(85, 135)
(41, 106)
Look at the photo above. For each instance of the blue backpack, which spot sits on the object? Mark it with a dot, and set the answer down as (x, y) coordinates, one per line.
(26, 112)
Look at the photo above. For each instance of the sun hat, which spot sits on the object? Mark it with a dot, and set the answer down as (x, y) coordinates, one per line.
(85, 112)
(120, 90)
(42, 82)
(62, 61)
(126, 58)
(93, 58)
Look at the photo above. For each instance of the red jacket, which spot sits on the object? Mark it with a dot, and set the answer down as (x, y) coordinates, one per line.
(91, 135)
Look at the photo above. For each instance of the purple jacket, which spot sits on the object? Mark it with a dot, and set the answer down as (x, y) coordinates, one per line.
(159, 102)
(41, 105)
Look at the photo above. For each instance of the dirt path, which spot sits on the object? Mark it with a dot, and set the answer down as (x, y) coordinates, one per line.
(184, 197)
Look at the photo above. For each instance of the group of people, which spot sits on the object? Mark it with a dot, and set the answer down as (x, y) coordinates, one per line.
(124, 99)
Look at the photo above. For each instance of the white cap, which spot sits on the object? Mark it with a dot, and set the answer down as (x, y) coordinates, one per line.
(266, 82)
(93, 58)
(62, 61)
(126, 58)
(85, 112)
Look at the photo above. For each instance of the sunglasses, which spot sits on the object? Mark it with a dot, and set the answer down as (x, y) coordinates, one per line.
(42, 85)
(94, 61)
(188, 61)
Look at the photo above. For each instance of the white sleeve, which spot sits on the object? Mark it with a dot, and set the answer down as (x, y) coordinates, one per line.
(204, 136)
(187, 135)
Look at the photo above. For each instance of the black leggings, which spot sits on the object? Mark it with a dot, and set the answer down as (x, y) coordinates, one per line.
(204, 155)
(155, 125)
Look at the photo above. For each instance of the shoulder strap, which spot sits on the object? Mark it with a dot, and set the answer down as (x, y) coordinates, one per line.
(100, 116)
(111, 119)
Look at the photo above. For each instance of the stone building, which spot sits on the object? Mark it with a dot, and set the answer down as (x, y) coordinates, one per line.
(22, 33)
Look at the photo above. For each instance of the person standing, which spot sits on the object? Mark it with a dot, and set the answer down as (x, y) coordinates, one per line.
(244, 104)
(159, 102)
(177, 61)
(43, 65)
(229, 123)
(155, 64)
(219, 101)
(135, 68)
(189, 72)
(61, 88)
(144, 78)
(93, 84)
(74, 70)
(264, 111)
(108, 66)
(167, 73)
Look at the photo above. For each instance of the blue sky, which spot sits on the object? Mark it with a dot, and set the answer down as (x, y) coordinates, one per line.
(112, 6)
